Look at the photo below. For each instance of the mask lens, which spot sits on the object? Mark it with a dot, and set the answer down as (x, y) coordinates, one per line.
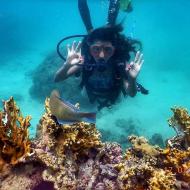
(108, 50)
(95, 50)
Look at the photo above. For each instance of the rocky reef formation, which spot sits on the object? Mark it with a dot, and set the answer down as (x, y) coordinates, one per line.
(43, 81)
(73, 157)
(42, 75)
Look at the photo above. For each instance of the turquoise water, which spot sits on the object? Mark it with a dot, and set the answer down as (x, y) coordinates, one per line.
(30, 30)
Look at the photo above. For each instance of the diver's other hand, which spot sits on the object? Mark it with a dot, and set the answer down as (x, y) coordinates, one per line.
(134, 67)
(74, 56)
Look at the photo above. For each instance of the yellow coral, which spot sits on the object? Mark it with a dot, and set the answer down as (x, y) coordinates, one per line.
(140, 171)
(79, 136)
(162, 179)
(177, 161)
(14, 136)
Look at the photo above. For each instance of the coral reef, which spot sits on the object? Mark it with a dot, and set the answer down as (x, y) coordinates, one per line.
(141, 168)
(43, 75)
(73, 157)
(181, 123)
(14, 137)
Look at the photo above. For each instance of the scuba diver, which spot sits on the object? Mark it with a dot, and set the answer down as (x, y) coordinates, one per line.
(103, 60)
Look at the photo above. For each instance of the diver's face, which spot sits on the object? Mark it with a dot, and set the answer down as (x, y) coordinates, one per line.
(102, 50)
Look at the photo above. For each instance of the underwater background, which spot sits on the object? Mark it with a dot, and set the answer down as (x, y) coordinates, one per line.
(30, 31)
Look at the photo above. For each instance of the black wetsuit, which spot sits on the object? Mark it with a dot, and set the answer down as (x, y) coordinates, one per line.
(85, 14)
(105, 86)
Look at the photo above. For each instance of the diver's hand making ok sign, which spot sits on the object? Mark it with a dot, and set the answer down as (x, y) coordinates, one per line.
(134, 67)
(74, 54)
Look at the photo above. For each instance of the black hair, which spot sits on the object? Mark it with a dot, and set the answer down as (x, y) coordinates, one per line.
(123, 45)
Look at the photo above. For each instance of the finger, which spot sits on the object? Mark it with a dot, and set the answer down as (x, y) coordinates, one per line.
(80, 57)
(78, 46)
(78, 61)
(73, 46)
(140, 59)
(79, 51)
(68, 48)
(75, 55)
(141, 63)
(137, 56)
(132, 65)
(128, 66)
(81, 60)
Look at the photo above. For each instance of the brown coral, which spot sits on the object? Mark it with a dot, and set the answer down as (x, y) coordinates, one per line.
(181, 120)
(14, 136)
(140, 144)
(178, 162)
(140, 168)
(162, 179)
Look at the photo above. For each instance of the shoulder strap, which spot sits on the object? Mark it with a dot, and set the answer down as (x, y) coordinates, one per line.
(85, 75)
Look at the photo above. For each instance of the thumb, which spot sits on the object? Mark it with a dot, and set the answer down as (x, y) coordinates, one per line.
(128, 66)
